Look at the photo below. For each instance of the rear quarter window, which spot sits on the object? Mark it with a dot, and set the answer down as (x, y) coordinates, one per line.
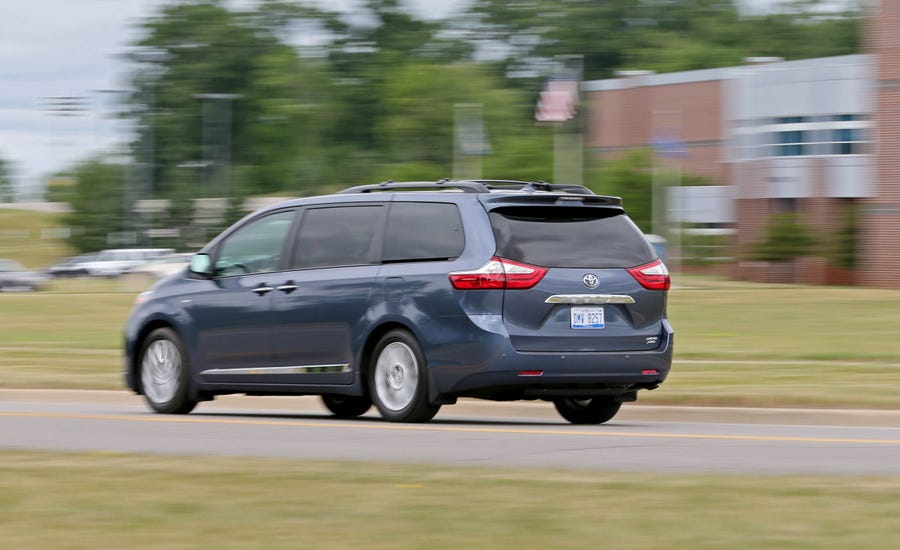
(421, 231)
(564, 236)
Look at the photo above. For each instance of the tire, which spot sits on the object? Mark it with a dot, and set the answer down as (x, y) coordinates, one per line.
(596, 410)
(165, 373)
(347, 406)
(398, 379)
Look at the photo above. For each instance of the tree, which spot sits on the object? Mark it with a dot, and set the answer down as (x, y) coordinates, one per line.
(786, 238)
(224, 96)
(660, 35)
(416, 119)
(6, 188)
(97, 204)
(630, 177)
(369, 60)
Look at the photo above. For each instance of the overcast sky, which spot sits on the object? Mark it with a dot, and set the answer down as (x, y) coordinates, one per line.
(51, 48)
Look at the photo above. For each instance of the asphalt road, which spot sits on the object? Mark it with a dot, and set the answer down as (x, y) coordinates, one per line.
(641, 438)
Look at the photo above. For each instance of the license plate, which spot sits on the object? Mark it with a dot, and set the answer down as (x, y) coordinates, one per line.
(587, 317)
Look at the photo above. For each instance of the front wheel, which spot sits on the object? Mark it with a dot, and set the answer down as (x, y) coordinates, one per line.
(595, 410)
(346, 406)
(165, 373)
(398, 379)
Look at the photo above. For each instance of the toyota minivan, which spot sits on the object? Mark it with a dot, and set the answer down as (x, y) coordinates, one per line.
(409, 296)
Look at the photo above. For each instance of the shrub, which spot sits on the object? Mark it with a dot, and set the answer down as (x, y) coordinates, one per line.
(786, 238)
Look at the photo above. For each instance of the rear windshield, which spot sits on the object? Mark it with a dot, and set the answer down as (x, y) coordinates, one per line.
(562, 236)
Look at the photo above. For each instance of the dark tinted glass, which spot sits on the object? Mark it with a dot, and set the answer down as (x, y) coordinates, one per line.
(570, 237)
(336, 236)
(423, 231)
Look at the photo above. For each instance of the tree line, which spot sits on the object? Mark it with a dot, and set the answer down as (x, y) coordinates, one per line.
(286, 98)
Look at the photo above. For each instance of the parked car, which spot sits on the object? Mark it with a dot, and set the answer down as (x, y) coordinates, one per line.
(72, 267)
(14, 276)
(409, 296)
(163, 267)
(118, 261)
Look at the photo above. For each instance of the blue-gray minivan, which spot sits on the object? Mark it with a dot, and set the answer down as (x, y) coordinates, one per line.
(409, 296)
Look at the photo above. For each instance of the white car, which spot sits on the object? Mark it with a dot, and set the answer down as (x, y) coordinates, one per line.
(164, 266)
(118, 261)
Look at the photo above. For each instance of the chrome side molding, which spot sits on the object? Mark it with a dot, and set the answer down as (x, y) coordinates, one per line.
(589, 299)
(308, 369)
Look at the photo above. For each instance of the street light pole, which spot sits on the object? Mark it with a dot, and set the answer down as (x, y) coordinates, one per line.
(126, 236)
(154, 57)
(226, 148)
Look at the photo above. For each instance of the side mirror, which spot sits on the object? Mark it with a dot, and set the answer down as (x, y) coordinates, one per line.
(201, 264)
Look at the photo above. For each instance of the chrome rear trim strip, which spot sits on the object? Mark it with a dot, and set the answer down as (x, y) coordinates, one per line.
(589, 299)
(308, 369)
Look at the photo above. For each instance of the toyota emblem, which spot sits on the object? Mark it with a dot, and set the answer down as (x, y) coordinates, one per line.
(590, 280)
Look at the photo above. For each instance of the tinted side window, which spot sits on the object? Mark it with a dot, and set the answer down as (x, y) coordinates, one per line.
(423, 231)
(580, 237)
(255, 247)
(337, 236)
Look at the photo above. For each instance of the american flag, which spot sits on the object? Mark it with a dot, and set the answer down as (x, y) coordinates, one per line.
(558, 100)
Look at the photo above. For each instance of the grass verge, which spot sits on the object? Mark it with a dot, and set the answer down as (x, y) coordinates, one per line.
(736, 343)
(32, 238)
(97, 500)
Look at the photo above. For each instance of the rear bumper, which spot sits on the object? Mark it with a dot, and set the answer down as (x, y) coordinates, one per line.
(507, 373)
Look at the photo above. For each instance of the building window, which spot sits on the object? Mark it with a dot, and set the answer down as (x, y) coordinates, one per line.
(791, 143)
(847, 141)
(790, 120)
(794, 136)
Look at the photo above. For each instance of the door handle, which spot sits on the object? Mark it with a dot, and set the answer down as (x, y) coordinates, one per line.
(262, 289)
(288, 287)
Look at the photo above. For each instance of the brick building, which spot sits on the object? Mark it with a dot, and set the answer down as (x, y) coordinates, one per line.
(880, 237)
(819, 138)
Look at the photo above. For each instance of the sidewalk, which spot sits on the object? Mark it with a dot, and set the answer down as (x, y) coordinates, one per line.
(504, 410)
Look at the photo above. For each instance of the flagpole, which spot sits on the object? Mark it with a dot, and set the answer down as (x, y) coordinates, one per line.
(578, 146)
(557, 104)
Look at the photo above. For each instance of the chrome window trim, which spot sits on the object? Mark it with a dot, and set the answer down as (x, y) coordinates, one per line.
(307, 369)
(589, 299)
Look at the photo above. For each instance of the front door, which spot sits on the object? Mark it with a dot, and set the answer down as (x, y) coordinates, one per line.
(234, 319)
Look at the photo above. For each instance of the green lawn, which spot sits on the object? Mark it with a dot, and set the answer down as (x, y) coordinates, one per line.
(745, 344)
(32, 238)
(736, 343)
(743, 321)
(122, 501)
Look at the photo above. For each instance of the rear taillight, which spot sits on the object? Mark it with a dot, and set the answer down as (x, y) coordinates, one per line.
(498, 273)
(652, 276)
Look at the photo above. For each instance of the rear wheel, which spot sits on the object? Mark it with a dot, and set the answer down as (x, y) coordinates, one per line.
(165, 373)
(595, 410)
(346, 406)
(398, 379)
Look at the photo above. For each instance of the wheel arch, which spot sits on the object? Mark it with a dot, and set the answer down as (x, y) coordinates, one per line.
(368, 349)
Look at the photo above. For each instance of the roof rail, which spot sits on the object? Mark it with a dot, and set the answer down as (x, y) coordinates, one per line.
(470, 186)
(390, 185)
